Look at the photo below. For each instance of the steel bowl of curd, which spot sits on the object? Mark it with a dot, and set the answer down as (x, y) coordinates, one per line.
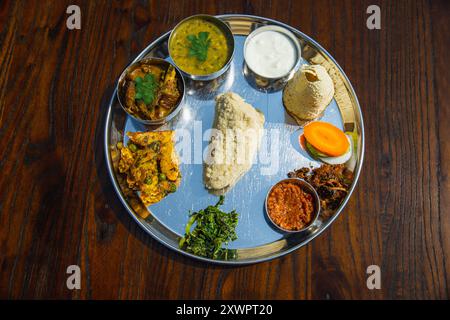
(272, 55)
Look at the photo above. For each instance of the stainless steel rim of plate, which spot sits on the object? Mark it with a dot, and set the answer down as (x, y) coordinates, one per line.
(242, 25)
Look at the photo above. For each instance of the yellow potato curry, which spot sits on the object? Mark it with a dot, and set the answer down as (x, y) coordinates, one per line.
(150, 164)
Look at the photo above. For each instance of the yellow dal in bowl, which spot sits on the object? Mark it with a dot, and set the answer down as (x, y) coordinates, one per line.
(217, 54)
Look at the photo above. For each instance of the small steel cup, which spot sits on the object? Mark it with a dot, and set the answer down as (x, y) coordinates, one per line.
(307, 188)
(154, 61)
(267, 83)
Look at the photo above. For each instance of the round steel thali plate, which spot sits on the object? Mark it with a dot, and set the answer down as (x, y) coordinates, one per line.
(257, 240)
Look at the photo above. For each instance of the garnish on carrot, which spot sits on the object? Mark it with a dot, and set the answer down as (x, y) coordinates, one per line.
(326, 138)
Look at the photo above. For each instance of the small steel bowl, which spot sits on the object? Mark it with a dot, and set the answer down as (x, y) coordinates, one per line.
(230, 41)
(154, 61)
(271, 84)
(307, 188)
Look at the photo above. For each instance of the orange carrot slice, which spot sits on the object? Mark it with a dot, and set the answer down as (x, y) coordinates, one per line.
(326, 138)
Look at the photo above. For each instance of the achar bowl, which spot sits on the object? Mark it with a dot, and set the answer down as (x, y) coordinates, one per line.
(305, 187)
(154, 61)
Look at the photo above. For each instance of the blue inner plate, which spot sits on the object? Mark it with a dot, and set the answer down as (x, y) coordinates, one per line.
(247, 197)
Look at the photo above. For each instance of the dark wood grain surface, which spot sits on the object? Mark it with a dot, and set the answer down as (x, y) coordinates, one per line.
(58, 208)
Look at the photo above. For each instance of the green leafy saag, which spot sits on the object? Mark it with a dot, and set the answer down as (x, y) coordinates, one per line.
(214, 228)
(199, 45)
(146, 88)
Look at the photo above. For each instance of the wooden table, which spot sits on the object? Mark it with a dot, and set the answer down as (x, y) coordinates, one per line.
(58, 208)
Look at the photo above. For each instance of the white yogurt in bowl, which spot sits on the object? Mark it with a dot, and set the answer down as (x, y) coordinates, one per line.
(271, 52)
